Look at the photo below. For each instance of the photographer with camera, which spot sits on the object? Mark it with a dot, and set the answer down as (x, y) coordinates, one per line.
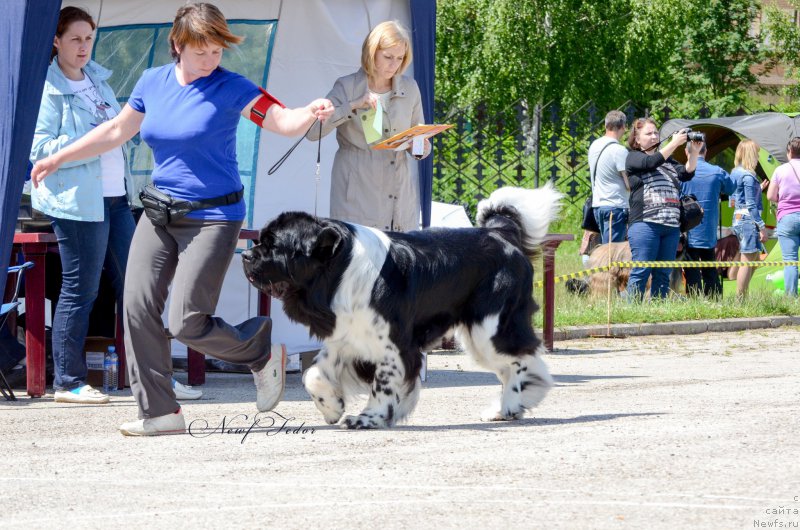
(654, 218)
(709, 182)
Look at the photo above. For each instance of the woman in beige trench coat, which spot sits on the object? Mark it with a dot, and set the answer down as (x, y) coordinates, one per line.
(374, 187)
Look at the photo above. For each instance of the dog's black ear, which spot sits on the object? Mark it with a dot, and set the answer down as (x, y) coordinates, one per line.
(327, 244)
(266, 238)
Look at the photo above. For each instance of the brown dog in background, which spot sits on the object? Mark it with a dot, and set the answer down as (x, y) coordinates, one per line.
(597, 283)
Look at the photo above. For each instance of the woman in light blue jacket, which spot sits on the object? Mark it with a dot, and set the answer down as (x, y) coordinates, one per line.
(748, 225)
(85, 200)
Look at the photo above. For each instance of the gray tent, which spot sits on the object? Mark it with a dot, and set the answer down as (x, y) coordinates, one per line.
(771, 130)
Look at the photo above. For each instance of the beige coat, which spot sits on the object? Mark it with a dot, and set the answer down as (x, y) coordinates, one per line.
(373, 187)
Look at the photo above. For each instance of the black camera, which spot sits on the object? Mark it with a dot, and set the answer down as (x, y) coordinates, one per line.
(694, 136)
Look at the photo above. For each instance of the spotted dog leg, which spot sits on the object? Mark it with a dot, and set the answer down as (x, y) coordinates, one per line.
(391, 399)
(322, 384)
(526, 381)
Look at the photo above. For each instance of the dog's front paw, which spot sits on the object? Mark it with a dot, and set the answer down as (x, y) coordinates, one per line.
(325, 395)
(364, 421)
(331, 412)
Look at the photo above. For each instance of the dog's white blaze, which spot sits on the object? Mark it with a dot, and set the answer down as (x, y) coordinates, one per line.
(359, 329)
(370, 248)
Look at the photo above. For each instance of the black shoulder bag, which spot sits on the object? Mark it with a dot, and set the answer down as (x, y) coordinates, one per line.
(691, 211)
(162, 208)
(589, 222)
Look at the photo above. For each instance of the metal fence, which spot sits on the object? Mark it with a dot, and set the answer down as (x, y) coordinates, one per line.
(524, 147)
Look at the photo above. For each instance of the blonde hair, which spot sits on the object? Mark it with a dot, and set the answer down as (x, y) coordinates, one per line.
(199, 25)
(385, 35)
(747, 155)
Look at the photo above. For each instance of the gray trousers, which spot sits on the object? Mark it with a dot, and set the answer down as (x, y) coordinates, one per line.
(193, 255)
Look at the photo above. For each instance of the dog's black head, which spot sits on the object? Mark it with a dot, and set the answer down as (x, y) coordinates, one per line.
(299, 259)
(293, 250)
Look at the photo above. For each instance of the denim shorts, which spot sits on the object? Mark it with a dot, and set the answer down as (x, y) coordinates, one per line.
(747, 232)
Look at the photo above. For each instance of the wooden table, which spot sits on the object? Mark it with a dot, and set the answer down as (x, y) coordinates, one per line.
(34, 247)
(551, 243)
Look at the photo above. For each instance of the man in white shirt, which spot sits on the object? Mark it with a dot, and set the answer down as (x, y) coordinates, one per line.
(610, 189)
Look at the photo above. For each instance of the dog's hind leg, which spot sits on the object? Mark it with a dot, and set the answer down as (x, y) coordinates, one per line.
(322, 384)
(392, 396)
(527, 381)
(524, 377)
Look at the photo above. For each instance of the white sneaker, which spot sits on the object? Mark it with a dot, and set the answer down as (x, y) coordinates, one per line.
(271, 380)
(293, 364)
(82, 394)
(185, 392)
(167, 424)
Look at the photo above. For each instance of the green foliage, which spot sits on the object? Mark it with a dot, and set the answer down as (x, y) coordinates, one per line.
(489, 50)
(713, 63)
(571, 51)
(782, 37)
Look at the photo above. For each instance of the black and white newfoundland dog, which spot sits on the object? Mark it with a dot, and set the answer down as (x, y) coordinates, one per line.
(376, 299)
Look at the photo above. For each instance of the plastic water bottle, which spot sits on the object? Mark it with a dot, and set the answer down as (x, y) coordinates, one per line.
(110, 370)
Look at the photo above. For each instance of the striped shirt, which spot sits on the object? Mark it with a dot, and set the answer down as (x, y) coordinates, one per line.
(655, 188)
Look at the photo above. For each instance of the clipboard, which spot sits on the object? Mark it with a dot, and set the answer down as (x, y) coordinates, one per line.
(401, 141)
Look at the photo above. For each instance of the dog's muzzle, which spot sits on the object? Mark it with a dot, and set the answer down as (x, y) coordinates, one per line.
(274, 289)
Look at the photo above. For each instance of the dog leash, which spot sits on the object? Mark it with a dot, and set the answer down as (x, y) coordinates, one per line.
(280, 162)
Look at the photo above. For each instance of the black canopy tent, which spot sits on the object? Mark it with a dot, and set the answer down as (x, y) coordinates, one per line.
(770, 130)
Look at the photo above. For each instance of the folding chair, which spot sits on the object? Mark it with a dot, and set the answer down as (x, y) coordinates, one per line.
(7, 309)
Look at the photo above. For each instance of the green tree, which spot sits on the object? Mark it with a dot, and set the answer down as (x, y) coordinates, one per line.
(490, 51)
(715, 61)
(782, 43)
(572, 51)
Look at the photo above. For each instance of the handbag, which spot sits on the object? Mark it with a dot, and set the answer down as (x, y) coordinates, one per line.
(162, 208)
(691, 212)
(588, 222)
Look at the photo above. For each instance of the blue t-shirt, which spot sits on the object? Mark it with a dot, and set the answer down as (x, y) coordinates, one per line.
(192, 132)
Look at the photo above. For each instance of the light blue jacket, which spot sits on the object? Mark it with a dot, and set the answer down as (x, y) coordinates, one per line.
(75, 191)
(747, 194)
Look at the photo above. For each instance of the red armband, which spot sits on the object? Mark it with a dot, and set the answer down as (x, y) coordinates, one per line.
(261, 106)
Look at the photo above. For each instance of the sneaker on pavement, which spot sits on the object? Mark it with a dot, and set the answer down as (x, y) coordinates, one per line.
(271, 380)
(167, 424)
(185, 392)
(293, 365)
(82, 394)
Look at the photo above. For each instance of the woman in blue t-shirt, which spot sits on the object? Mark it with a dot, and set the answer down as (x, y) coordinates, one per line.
(85, 201)
(188, 113)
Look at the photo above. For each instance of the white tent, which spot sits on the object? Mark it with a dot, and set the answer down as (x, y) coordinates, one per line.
(304, 45)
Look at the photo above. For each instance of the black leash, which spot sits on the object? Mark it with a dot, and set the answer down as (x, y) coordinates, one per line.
(280, 162)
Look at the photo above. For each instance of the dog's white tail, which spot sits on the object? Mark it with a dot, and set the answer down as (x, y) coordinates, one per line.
(535, 210)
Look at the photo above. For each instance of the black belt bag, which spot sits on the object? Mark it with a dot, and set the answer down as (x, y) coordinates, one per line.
(162, 208)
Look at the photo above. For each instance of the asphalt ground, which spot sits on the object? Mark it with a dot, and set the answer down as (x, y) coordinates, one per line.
(646, 432)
